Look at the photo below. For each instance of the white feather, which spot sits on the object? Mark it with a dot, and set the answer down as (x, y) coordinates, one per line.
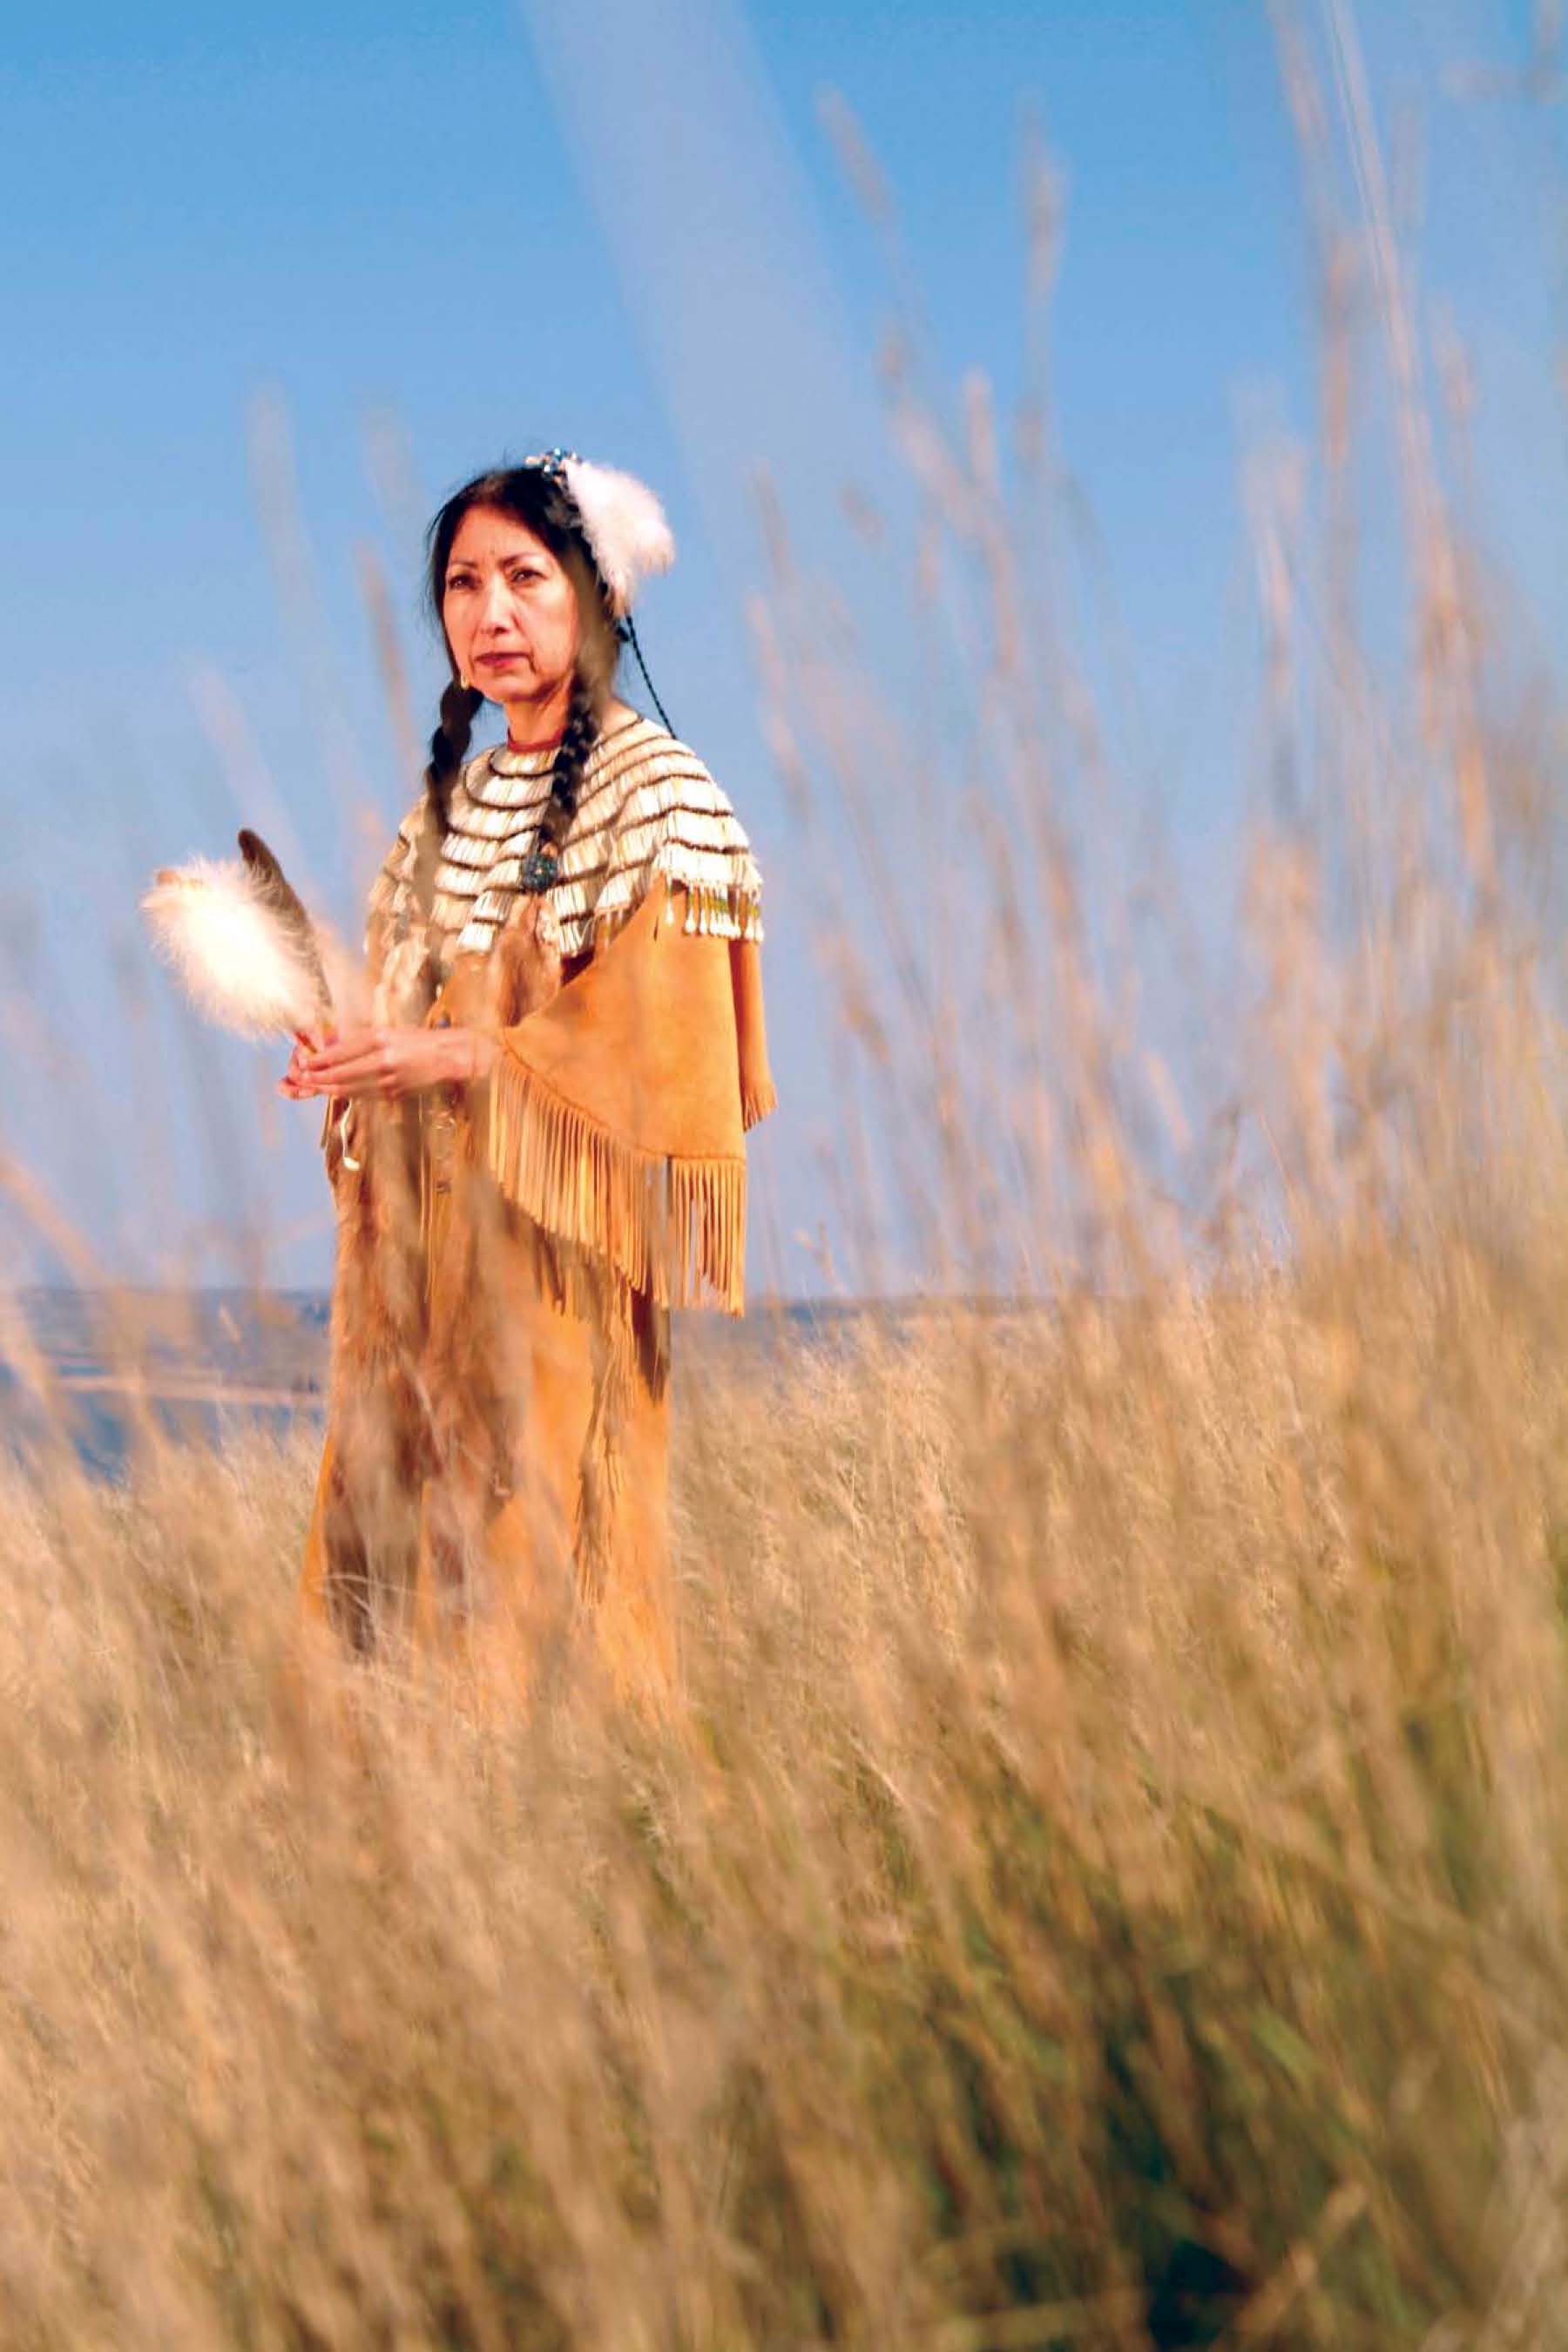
(625, 526)
(233, 958)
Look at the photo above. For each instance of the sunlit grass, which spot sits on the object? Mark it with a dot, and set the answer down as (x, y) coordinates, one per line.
(1109, 1865)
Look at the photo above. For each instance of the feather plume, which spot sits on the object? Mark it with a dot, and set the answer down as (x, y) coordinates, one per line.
(625, 526)
(241, 944)
(273, 888)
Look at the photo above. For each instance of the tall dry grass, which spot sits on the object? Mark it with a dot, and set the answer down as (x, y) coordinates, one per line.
(1104, 1884)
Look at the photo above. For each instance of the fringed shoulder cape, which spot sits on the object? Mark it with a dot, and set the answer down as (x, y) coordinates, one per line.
(493, 1480)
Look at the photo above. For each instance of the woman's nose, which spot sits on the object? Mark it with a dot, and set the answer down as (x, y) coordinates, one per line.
(494, 602)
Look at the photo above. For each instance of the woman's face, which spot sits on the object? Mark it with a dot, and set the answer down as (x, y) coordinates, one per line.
(508, 609)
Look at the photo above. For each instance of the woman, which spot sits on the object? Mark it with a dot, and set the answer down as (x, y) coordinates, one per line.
(536, 1146)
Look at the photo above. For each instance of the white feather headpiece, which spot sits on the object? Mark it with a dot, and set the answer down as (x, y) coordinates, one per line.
(623, 522)
(243, 947)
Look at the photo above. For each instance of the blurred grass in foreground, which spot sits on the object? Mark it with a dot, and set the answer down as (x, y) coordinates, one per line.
(1109, 1886)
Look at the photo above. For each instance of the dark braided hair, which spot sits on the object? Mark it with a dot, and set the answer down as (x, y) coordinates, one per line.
(449, 744)
(543, 505)
(582, 732)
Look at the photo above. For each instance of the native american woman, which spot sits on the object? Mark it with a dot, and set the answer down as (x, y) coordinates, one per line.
(535, 1142)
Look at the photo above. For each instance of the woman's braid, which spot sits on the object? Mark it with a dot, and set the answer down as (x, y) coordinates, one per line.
(582, 732)
(449, 746)
(448, 749)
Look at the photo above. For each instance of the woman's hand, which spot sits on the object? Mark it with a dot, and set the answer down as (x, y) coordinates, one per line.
(292, 1082)
(386, 1062)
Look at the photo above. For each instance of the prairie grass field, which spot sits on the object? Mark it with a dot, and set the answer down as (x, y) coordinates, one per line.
(1104, 1886)
(1103, 1883)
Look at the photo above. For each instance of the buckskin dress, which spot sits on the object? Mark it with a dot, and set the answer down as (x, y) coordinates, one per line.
(493, 1480)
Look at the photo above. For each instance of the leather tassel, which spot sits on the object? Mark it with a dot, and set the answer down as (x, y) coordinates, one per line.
(674, 1228)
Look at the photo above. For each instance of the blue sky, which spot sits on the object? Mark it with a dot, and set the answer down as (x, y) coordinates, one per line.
(422, 237)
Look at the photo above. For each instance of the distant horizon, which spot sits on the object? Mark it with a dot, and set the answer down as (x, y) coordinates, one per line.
(803, 1302)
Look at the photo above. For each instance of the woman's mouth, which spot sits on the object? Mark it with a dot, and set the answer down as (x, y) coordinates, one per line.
(498, 661)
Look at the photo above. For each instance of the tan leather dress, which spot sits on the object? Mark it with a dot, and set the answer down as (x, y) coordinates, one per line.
(493, 1482)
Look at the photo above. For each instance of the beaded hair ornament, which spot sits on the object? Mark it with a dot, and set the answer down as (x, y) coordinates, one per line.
(623, 523)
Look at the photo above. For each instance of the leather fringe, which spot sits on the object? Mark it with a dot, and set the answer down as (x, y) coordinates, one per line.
(756, 1102)
(674, 1228)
